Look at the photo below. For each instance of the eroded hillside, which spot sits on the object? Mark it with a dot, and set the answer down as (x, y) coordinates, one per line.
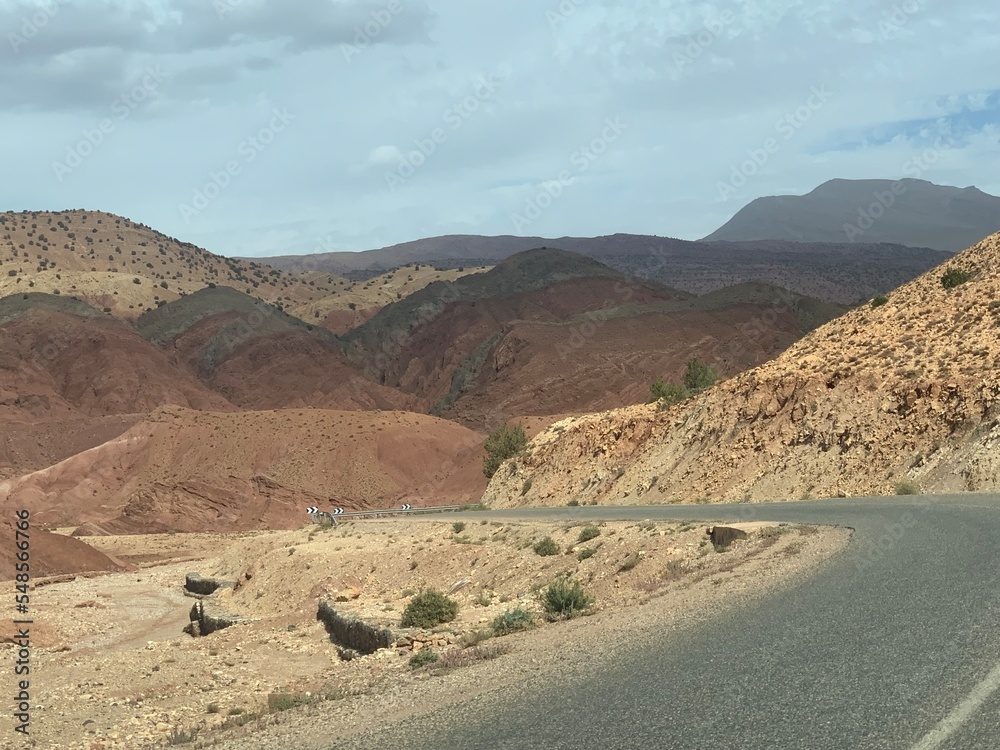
(182, 470)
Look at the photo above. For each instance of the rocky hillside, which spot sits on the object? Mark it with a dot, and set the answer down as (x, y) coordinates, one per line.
(126, 268)
(894, 395)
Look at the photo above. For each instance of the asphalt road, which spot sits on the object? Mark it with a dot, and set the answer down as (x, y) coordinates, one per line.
(894, 643)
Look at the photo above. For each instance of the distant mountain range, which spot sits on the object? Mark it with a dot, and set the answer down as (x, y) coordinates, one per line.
(908, 212)
(841, 273)
(845, 241)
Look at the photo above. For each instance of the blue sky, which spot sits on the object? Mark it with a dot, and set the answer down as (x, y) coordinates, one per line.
(257, 127)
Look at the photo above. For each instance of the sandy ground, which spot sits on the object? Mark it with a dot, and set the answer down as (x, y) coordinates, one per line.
(112, 668)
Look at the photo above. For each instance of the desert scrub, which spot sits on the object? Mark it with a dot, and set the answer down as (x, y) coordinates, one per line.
(546, 547)
(586, 553)
(587, 533)
(429, 608)
(954, 277)
(512, 621)
(907, 487)
(630, 562)
(422, 658)
(458, 527)
(879, 300)
(565, 597)
(284, 701)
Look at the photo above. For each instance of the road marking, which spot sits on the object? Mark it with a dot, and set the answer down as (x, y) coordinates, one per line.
(953, 721)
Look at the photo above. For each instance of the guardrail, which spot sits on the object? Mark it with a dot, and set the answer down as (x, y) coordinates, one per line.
(316, 513)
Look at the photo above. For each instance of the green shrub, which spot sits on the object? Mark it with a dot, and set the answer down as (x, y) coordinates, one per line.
(954, 277)
(879, 300)
(525, 487)
(429, 608)
(667, 394)
(546, 547)
(565, 597)
(587, 533)
(573, 503)
(504, 442)
(458, 527)
(586, 553)
(699, 375)
(285, 701)
(512, 621)
(422, 658)
(907, 487)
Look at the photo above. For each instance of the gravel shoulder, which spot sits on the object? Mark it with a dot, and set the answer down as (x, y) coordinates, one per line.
(115, 671)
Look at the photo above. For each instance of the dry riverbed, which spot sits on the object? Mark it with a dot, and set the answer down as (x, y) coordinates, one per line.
(113, 669)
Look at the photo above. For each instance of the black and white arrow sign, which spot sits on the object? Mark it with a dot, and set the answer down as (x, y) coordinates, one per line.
(312, 511)
(338, 511)
(407, 507)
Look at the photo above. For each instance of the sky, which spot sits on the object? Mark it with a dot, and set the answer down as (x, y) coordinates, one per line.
(267, 127)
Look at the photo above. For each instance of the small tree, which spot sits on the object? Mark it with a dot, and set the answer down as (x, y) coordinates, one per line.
(506, 441)
(699, 375)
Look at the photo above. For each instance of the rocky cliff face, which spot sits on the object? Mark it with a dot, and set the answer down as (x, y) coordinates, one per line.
(904, 391)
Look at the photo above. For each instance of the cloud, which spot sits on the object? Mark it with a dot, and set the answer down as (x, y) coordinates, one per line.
(700, 83)
(66, 54)
(384, 155)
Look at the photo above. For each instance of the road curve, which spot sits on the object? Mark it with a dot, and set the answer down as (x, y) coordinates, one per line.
(893, 644)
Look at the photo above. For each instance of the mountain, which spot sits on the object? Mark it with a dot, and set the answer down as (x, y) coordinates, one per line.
(897, 394)
(259, 357)
(126, 268)
(840, 272)
(550, 332)
(905, 212)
